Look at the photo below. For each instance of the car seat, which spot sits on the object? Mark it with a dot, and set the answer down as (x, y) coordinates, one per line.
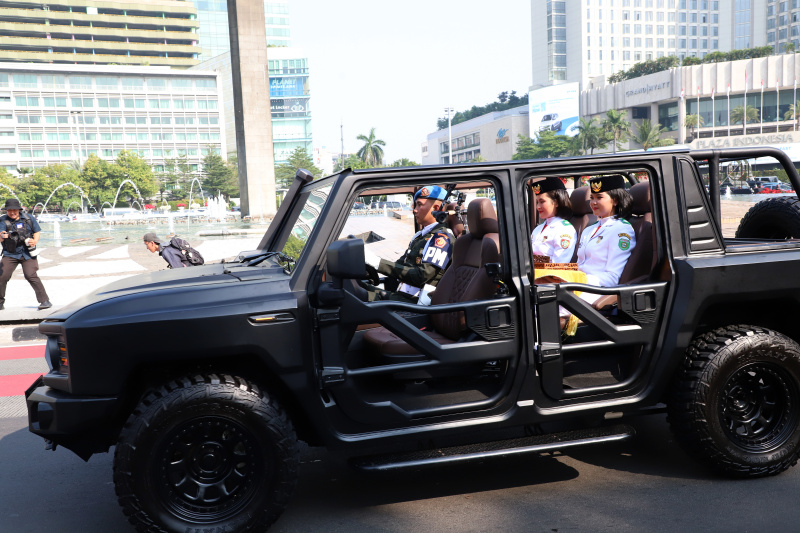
(464, 280)
(581, 214)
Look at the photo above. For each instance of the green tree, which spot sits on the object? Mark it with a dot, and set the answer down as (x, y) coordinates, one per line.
(352, 161)
(478, 159)
(616, 126)
(404, 162)
(547, 145)
(372, 151)
(691, 60)
(38, 186)
(649, 135)
(174, 181)
(131, 166)
(590, 136)
(693, 122)
(218, 176)
(789, 48)
(24, 171)
(793, 113)
(740, 115)
(505, 100)
(285, 172)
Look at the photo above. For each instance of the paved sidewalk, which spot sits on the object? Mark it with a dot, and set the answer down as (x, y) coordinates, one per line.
(70, 272)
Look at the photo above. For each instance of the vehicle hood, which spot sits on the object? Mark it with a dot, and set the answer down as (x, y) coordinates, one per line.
(177, 283)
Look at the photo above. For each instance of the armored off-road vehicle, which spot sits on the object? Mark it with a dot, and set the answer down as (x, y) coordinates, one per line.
(204, 379)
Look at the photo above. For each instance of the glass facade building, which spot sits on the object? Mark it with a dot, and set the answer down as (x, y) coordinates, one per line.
(59, 114)
(288, 73)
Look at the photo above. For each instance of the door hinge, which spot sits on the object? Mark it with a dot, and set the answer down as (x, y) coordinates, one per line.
(331, 375)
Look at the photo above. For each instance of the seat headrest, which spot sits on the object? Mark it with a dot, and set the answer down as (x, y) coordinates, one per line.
(580, 201)
(641, 198)
(481, 217)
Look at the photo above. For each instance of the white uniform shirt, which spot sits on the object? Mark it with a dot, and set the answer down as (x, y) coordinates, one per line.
(556, 238)
(604, 250)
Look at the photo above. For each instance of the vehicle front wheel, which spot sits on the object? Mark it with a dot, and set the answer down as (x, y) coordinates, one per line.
(206, 453)
(735, 404)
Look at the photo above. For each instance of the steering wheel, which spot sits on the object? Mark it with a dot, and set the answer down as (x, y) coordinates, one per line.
(372, 275)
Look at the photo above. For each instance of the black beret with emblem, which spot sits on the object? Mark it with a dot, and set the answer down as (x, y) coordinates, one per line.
(606, 183)
(547, 185)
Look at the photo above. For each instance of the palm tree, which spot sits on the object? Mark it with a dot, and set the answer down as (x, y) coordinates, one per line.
(24, 171)
(371, 153)
(590, 136)
(791, 114)
(649, 135)
(694, 122)
(738, 114)
(617, 126)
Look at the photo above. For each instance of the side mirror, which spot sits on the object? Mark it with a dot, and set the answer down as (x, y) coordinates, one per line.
(346, 260)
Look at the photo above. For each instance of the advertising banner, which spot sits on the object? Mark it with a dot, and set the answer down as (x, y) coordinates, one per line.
(555, 108)
(289, 107)
(286, 87)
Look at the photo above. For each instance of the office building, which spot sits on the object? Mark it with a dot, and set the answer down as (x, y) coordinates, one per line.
(213, 31)
(492, 136)
(668, 97)
(288, 75)
(574, 41)
(64, 113)
(92, 32)
(783, 24)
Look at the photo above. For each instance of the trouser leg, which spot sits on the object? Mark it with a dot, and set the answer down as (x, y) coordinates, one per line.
(7, 265)
(29, 269)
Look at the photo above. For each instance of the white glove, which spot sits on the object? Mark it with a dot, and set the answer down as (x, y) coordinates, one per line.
(371, 259)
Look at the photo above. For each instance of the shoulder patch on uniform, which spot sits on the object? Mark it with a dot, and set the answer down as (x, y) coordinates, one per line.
(624, 235)
(437, 250)
(624, 244)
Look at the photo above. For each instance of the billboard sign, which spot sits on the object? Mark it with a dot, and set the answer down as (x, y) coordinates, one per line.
(555, 108)
(286, 87)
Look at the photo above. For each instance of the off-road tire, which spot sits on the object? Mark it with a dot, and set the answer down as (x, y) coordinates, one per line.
(735, 402)
(206, 453)
(773, 218)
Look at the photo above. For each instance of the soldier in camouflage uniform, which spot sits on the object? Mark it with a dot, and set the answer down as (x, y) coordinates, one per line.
(428, 254)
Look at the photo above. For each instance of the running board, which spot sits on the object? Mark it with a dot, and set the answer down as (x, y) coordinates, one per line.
(471, 452)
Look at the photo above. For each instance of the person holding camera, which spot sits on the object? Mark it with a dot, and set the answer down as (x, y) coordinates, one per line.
(19, 233)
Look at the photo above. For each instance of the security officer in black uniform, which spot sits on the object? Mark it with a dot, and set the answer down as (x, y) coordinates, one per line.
(19, 233)
(421, 267)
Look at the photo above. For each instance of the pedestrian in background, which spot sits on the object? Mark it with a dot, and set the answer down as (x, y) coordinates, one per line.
(177, 252)
(19, 234)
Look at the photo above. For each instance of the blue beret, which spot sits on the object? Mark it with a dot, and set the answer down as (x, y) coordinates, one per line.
(431, 191)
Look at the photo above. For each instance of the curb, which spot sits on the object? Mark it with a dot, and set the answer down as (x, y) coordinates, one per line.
(27, 334)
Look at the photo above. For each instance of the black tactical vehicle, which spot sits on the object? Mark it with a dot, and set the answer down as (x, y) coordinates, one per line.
(206, 378)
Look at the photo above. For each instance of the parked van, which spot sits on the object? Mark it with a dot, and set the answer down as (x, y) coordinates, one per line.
(761, 182)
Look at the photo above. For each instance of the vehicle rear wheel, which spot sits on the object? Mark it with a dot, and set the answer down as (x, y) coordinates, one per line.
(774, 218)
(735, 404)
(206, 453)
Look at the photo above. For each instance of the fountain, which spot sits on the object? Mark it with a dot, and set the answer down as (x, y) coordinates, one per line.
(57, 233)
(191, 189)
(116, 197)
(83, 194)
(9, 190)
(70, 206)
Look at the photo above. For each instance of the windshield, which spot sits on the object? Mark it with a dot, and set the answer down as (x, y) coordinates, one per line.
(312, 202)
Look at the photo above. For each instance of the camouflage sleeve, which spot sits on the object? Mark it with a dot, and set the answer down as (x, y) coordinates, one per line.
(418, 269)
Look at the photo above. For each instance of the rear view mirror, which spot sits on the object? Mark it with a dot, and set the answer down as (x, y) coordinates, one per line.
(346, 260)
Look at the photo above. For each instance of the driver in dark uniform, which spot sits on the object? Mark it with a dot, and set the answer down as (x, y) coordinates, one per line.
(422, 265)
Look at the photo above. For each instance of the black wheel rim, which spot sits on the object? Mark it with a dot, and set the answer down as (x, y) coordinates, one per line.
(759, 407)
(209, 469)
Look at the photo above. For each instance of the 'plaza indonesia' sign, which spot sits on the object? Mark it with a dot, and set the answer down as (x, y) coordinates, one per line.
(740, 141)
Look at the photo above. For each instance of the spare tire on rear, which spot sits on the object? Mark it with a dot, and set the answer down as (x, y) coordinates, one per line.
(774, 218)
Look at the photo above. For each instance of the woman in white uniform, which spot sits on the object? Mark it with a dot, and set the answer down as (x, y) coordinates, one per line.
(606, 245)
(554, 237)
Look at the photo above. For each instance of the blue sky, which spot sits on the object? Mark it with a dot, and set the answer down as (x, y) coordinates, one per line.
(396, 65)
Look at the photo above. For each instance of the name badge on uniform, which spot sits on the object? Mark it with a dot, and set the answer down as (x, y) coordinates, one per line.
(437, 250)
(19, 225)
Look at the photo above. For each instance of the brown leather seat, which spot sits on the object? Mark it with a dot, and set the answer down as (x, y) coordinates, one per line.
(644, 254)
(582, 214)
(463, 281)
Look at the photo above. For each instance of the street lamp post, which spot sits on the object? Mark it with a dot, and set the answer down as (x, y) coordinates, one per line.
(449, 111)
(78, 130)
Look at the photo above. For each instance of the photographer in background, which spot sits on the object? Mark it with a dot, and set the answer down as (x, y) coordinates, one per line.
(19, 233)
